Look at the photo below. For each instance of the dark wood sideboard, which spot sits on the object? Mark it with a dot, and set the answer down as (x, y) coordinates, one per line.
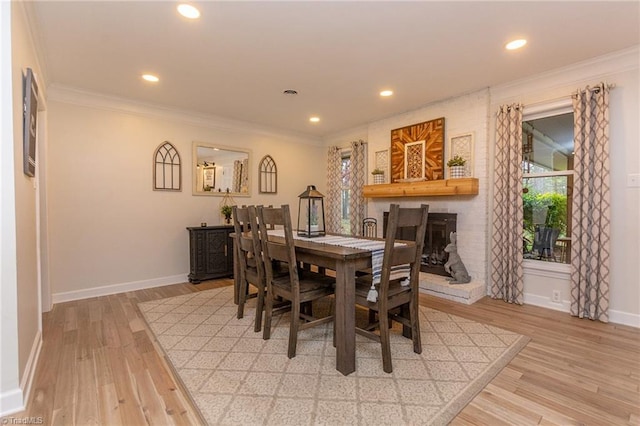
(211, 252)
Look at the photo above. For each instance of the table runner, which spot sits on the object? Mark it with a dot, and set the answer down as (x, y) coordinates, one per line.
(376, 247)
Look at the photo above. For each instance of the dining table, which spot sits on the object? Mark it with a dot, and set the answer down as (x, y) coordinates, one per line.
(345, 261)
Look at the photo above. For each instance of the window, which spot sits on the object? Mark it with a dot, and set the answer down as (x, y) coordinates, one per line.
(547, 165)
(345, 192)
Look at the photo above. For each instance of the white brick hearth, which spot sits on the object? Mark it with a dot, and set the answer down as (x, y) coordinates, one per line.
(439, 286)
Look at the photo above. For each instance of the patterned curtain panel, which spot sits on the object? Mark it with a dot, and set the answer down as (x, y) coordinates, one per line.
(590, 226)
(357, 182)
(506, 264)
(244, 176)
(334, 183)
(237, 176)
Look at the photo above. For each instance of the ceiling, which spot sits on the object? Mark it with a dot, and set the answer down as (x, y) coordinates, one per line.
(239, 57)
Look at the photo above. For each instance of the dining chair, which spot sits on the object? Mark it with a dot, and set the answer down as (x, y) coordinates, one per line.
(250, 264)
(396, 300)
(369, 227)
(297, 285)
(544, 242)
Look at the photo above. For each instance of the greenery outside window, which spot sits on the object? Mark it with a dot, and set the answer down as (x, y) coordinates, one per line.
(547, 166)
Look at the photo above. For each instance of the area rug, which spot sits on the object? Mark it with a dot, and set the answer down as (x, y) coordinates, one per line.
(235, 377)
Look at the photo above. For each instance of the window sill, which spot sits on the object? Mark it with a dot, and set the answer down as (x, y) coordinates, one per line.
(546, 269)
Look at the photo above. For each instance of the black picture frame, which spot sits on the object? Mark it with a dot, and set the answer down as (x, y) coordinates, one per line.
(30, 125)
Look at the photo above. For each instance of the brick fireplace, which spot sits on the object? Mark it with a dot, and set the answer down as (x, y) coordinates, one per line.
(439, 226)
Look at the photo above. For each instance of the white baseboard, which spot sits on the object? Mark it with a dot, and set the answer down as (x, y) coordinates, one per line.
(11, 402)
(624, 318)
(117, 288)
(15, 400)
(30, 368)
(617, 317)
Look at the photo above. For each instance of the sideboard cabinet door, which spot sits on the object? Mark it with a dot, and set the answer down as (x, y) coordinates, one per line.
(211, 253)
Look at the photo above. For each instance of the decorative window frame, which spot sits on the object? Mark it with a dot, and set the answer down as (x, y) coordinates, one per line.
(167, 161)
(267, 176)
(463, 145)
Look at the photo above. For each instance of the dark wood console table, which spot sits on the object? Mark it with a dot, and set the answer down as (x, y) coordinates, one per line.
(211, 252)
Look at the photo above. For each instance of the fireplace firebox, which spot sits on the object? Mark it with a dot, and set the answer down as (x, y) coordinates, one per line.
(439, 227)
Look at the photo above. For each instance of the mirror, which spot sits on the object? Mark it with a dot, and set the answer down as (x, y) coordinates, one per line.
(218, 168)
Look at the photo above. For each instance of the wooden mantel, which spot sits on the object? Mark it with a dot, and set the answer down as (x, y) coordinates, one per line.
(430, 188)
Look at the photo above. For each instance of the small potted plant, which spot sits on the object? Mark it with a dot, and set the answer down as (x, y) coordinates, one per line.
(226, 212)
(378, 175)
(456, 167)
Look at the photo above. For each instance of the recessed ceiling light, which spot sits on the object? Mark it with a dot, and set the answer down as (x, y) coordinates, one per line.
(314, 119)
(150, 77)
(188, 11)
(386, 93)
(516, 44)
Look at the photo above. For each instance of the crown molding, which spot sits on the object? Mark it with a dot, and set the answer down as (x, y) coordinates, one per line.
(36, 41)
(591, 70)
(74, 96)
(343, 137)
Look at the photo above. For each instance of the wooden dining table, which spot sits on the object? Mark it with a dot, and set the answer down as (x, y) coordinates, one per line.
(345, 261)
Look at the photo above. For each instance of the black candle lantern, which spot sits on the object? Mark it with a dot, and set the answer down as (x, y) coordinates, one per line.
(311, 213)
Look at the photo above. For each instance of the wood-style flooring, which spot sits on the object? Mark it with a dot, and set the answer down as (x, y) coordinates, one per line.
(98, 365)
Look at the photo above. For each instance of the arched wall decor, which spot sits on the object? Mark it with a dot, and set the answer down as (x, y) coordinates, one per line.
(167, 168)
(267, 176)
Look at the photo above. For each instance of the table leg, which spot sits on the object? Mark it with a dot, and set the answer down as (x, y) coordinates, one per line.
(236, 275)
(345, 318)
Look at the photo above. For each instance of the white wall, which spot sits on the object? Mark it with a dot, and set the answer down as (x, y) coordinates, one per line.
(475, 112)
(621, 69)
(20, 305)
(108, 230)
(463, 114)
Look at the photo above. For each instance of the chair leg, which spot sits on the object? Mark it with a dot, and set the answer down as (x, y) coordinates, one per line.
(293, 329)
(383, 317)
(242, 297)
(268, 312)
(307, 308)
(414, 312)
(405, 312)
(259, 309)
(372, 316)
(333, 314)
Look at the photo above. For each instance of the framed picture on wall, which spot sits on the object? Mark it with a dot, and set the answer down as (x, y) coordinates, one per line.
(30, 116)
(462, 145)
(418, 150)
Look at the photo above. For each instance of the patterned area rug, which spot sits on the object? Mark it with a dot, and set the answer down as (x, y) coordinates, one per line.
(235, 377)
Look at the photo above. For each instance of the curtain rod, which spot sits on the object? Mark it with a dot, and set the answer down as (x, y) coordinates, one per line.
(597, 88)
(559, 101)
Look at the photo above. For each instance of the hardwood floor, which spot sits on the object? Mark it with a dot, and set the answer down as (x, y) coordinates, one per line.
(98, 365)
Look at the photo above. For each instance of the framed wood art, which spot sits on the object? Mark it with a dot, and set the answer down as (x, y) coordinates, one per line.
(417, 152)
(462, 145)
